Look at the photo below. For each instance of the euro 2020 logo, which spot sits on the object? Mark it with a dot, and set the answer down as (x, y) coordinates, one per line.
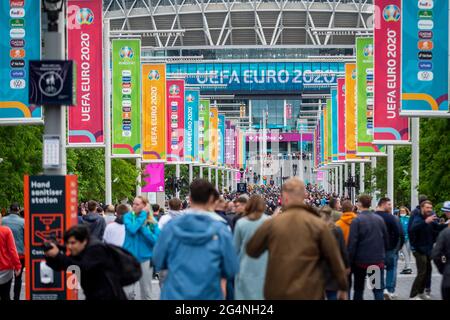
(126, 53)
(174, 90)
(153, 75)
(368, 50)
(391, 13)
(85, 16)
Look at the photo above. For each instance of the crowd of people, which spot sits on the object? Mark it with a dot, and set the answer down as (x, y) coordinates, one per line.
(288, 242)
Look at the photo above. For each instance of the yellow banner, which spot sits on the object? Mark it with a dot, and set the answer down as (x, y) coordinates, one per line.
(154, 111)
(350, 111)
(214, 137)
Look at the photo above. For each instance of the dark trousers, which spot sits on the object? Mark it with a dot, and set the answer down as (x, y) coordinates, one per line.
(445, 293)
(424, 270)
(360, 274)
(5, 291)
(18, 281)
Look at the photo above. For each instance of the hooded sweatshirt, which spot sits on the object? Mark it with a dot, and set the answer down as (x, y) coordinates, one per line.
(96, 224)
(167, 217)
(198, 252)
(344, 223)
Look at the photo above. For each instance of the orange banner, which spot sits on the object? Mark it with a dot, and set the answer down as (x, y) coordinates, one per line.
(154, 111)
(350, 111)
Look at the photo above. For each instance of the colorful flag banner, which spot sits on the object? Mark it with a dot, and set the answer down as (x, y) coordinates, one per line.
(334, 126)
(213, 134)
(85, 43)
(341, 118)
(425, 59)
(175, 120)
(389, 127)
(203, 131)
(153, 177)
(221, 159)
(191, 106)
(126, 93)
(154, 112)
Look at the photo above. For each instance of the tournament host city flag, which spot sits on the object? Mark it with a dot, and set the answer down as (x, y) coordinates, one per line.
(191, 106)
(126, 93)
(84, 47)
(154, 112)
(203, 131)
(213, 133)
(221, 159)
(20, 34)
(175, 120)
(329, 131)
(326, 153)
(365, 87)
(425, 59)
(389, 127)
(322, 142)
(334, 126)
(341, 118)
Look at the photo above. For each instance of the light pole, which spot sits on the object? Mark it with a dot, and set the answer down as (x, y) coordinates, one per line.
(55, 120)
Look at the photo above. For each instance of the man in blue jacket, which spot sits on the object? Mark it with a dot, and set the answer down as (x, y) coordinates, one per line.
(396, 240)
(367, 243)
(196, 249)
(422, 234)
(141, 233)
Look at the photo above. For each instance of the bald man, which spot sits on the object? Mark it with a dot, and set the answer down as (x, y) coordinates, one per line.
(299, 242)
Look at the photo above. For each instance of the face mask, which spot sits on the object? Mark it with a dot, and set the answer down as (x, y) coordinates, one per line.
(402, 214)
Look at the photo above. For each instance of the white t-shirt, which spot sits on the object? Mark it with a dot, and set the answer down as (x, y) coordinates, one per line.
(164, 219)
(114, 234)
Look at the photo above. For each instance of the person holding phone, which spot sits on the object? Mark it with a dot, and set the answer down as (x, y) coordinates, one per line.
(422, 232)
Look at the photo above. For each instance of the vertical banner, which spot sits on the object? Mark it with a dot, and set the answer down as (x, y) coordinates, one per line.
(191, 106)
(126, 92)
(237, 147)
(365, 93)
(425, 59)
(229, 144)
(389, 127)
(154, 112)
(20, 34)
(322, 134)
(175, 120)
(153, 177)
(341, 118)
(221, 159)
(85, 43)
(203, 131)
(329, 132)
(334, 126)
(350, 112)
(213, 134)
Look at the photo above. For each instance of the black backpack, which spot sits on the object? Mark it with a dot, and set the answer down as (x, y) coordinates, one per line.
(128, 268)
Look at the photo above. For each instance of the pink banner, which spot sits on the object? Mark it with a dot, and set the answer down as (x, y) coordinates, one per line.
(175, 120)
(288, 111)
(282, 137)
(84, 38)
(389, 127)
(153, 177)
(341, 118)
(319, 175)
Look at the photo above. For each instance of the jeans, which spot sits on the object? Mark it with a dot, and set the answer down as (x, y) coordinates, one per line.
(331, 295)
(390, 263)
(424, 270)
(18, 281)
(5, 290)
(406, 251)
(360, 274)
(144, 283)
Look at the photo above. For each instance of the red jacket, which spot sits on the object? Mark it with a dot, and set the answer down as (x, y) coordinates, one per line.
(9, 258)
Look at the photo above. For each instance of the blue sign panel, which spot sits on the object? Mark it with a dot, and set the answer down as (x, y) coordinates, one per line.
(20, 41)
(425, 77)
(260, 76)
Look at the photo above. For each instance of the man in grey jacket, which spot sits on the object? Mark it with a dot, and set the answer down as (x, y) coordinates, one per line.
(94, 221)
(17, 225)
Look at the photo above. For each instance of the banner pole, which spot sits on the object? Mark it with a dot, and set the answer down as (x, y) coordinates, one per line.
(139, 177)
(361, 177)
(107, 111)
(390, 173)
(415, 134)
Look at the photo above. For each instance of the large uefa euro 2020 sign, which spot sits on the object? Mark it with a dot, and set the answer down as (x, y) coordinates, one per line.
(260, 76)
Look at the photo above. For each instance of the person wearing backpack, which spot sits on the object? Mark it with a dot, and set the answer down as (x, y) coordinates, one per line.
(141, 234)
(103, 272)
(197, 250)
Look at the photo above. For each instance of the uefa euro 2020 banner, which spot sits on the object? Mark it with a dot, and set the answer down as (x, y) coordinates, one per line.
(191, 106)
(389, 127)
(334, 126)
(20, 42)
(126, 93)
(153, 112)
(221, 142)
(341, 118)
(84, 39)
(175, 120)
(425, 59)
(365, 102)
(203, 131)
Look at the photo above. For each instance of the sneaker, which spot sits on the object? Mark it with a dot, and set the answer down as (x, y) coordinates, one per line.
(387, 295)
(416, 298)
(394, 296)
(425, 296)
(406, 271)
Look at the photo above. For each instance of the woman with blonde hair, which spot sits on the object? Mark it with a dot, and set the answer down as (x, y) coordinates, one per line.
(405, 251)
(249, 283)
